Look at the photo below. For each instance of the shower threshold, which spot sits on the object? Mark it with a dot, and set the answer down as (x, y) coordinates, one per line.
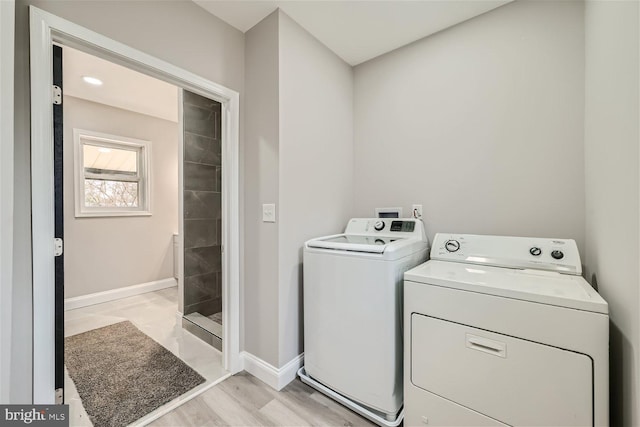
(207, 328)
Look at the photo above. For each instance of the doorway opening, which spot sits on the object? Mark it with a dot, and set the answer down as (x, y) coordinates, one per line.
(47, 29)
(117, 137)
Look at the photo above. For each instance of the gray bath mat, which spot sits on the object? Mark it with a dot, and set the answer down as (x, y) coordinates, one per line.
(121, 374)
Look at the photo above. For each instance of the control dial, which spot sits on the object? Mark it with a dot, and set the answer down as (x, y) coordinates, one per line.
(452, 245)
(379, 225)
(535, 251)
(557, 254)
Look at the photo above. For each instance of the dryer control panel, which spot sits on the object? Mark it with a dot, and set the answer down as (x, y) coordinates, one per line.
(559, 255)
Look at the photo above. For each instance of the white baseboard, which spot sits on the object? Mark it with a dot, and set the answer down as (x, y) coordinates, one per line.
(114, 294)
(277, 378)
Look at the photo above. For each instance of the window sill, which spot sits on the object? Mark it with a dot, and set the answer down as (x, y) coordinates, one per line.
(99, 214)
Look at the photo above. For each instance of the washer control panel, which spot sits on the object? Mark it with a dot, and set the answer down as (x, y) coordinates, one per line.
(401, 227)
(560, 255)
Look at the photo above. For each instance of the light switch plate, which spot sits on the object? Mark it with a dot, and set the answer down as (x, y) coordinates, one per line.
(269, 212)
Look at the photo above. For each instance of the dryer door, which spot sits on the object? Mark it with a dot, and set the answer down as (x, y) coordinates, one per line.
(515, 381)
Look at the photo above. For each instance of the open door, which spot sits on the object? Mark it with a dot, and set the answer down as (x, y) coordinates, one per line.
(58, 132)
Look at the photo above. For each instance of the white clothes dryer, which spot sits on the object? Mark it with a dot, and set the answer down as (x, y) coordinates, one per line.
(504, 331)
(353, 313)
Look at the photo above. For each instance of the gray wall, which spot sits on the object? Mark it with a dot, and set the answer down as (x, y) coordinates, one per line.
(481, 123)
(316, 162)
(612, 191)
(299, 155)
(261, 186)
(179, 32)
(202, 205)
(107, 253)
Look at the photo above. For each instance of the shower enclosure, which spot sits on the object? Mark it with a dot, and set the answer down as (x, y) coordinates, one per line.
(202, 209)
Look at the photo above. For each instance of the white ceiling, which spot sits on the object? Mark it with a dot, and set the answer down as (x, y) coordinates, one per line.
(356, 30)
(121, 88)
(113, 159)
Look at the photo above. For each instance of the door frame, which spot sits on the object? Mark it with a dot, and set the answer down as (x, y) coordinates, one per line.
(7, 19)
(45, 29)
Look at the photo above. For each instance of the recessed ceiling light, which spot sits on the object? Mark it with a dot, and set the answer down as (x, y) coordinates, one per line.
(104, 150)
(92, 80)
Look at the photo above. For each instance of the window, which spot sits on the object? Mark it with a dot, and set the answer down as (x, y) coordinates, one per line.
(112, 175)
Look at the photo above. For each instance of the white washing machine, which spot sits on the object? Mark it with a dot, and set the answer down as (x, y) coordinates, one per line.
(504, 331)
(353, 313)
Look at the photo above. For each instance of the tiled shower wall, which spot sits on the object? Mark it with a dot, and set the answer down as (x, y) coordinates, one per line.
(202, 205)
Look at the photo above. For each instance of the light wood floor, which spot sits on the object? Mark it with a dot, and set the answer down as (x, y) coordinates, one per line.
(243, 400)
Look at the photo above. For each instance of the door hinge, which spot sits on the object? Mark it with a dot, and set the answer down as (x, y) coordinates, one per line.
(59, 396)
(57, 95)
(57, 247)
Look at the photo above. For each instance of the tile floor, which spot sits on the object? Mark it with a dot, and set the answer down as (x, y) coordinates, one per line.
(155, 314)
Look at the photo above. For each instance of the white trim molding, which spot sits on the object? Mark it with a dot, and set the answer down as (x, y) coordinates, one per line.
(7, 12)
(276, 378)
(119, 293)
(180, 234)
(46, 29)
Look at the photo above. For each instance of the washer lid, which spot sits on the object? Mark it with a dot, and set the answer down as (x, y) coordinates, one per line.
(391, 237)
(354, 243)
(543, 287)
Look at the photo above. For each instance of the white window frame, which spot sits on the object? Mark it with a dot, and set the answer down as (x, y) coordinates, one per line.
(80, 137)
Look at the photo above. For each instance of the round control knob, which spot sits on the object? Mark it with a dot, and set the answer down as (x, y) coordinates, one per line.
(557, 254)
(452, 245)
(379, 225)
(535, 251)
